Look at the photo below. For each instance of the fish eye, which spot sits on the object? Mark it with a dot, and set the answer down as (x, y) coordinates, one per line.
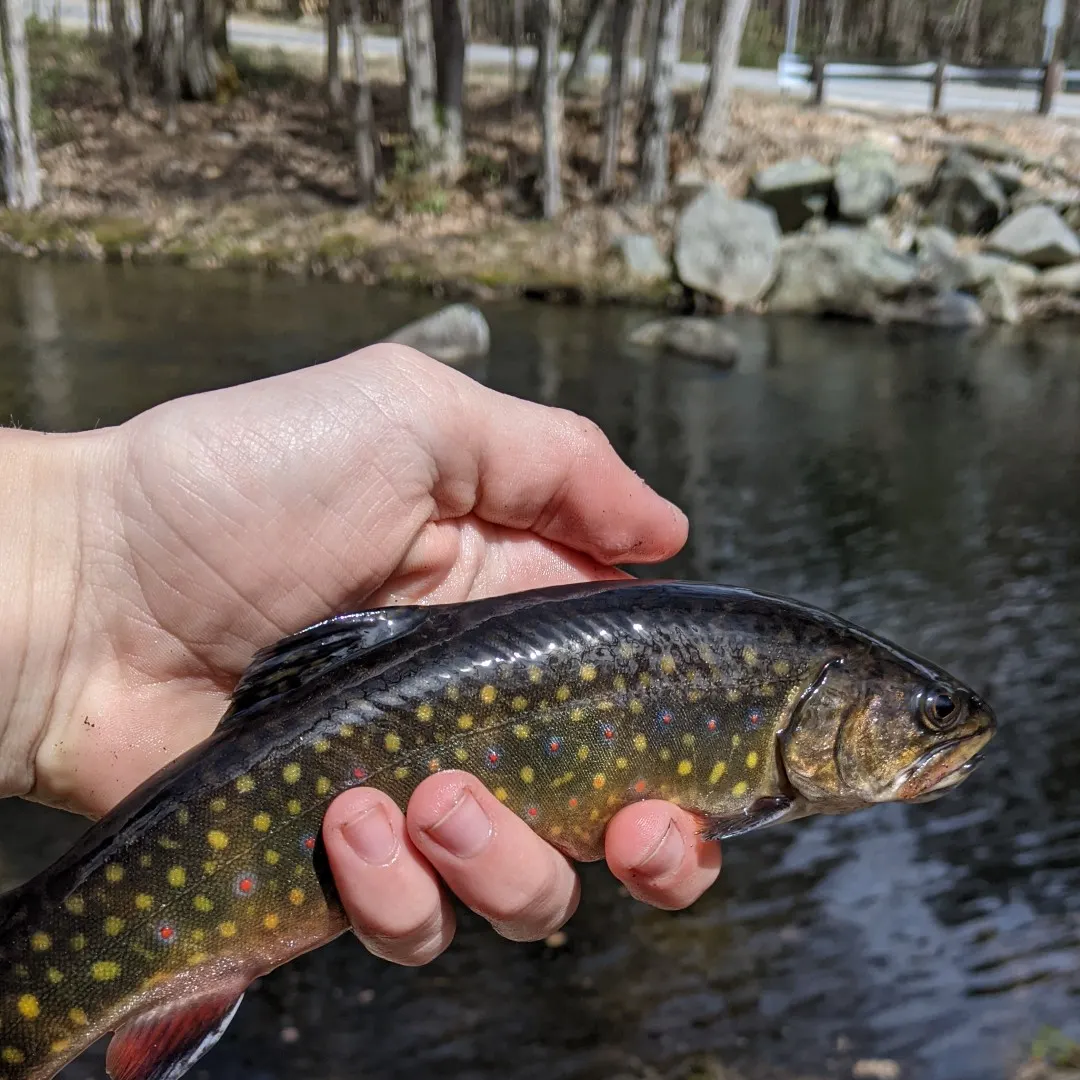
(940, 708)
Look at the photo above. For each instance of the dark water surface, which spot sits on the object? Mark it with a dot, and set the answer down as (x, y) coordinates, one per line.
(928, 487)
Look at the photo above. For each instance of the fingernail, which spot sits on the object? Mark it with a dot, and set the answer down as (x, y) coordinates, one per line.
(371, 836)
(665, 855)
(464, 830)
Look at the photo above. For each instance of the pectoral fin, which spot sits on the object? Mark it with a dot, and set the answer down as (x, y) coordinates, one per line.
(761, 812)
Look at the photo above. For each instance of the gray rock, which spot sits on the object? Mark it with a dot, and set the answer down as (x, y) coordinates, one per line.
(1036, 235)
(939, 259)
(642, 257)
(691, 335)
(845, 271)
(453, 334)
(978, 269)
(965, 197)
(787, 186)
(916, 178)
(999, 302)
(726, 248)
(1010, 177)
(941, 311)
(1063, 279)
(865, 183)
(1071, 214)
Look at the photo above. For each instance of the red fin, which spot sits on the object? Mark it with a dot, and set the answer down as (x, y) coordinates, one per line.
(163, 1043)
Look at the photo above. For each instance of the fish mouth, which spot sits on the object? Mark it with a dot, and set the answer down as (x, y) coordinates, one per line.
(940, 770)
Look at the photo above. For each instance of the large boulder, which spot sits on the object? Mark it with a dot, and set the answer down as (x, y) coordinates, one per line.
(939, 259)
(642, 257)
(1000, 302)
(978, 269)
(453, 334)
(1060, 279)
(865, 182)
(726, 248)
(965, 197)
(844, 271)
(793, 189)
(1036, 235)
(690, 335)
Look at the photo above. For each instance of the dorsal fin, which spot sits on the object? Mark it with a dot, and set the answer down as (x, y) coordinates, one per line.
(296, 660)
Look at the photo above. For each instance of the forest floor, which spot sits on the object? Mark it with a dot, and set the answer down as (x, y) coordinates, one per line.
(262, 178)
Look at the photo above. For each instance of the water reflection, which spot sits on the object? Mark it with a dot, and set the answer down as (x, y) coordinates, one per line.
(928, 487)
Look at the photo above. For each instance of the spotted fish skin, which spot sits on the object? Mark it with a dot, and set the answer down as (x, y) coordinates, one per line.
(568, 703)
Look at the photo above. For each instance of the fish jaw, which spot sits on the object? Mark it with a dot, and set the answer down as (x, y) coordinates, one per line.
(940, 770)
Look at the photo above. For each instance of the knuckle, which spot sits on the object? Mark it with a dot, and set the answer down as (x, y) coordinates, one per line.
(413, 947)
(537, 912)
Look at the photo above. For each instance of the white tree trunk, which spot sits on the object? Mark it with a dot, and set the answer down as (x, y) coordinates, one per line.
(364, 145)
(834, 36)
(712, 129)
(621, 44)
(551, 107)
(451, 43)
(654, 149)
(10, 183)
(418, 55)
(29, 180)
(335, 91)
(598, 14)
(123, 55)
(517, 29)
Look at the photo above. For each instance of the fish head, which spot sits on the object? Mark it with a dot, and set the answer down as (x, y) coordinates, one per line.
(881, 726)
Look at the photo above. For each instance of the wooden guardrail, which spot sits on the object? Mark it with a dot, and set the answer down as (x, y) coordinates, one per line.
(1048, 80)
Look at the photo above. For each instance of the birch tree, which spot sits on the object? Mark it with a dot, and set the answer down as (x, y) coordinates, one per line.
(202, 44)
(551, 106)
(123, 56)
(451, 43)
(335, 91)
(654, 141)
(621, 44)
(418, 58)
(715, 119)
(22, 184)
(598, 14)
(364, 144)
(10, 184)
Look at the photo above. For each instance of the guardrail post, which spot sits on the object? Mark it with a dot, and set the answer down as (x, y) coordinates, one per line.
(817, 79)
(1053, 74)
(939, 83)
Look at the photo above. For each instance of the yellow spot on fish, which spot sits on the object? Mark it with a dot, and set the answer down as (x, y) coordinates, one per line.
(320, 746)
(665, 754)
(562, 781)
(245, 785)
(177, 877)
(644, 679)
(322, 785)
(218, 840)
(621, 763)
(487, 694)
(392, 742)
(203, 904)
(688, 739)
(461, 754)
(749, 656)
(144, 902)
(12, 1056)
(768, 690)
(291, 773)
(114, 873)
(400, 772)
(104, 971)
(640, 742)
(739, 789)
(501, 794)
(227, 929)
(519, 704)
(521, 731)
(527, 774)
(752, 760)
(563, 693)
(735, 740)
(294, 807)
(582, 752)
(781, 667)
(40, 941)
(78, 943)
(271, 857)
(694, 696)
(685, 767)
(54, 976)
(433, 765)
(605, 706)
(76, 905)
(146, 861)
(270, 922)
(209, 867)
(168, 843)
(182, 815)
(732, 694)
(464, 721)
(58, 1046)
(218, 806)
(78, 1017)
(198, 935)
(555, 830)
(587, 672)
(425, 712)
(594, 814)
(577, 715)
(667, 665)
(198, 958)
(534, 674)
(296, 897)
(114, 925)
(598, 781)
(619, 682)
(29, 1007)
(261, 822)
(346, 731)
(636, 707)
(452, 693)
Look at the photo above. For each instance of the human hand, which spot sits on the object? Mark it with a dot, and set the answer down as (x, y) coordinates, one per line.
(212, 525)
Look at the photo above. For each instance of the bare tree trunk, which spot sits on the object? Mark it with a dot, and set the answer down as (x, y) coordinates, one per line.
(123, 54)
(834, 36)
(156, 16)
(969, 31)
(92, 20)
(655, 136)
(171, 89)
(418, 54)
(884, 29)
(712, 129)
(649, 31)
(9, 151)
(201, 45)
(451, 43)
(576, 74)
(335, 91)
(363, 111)
(551, 106)
(637, 24)
(516, 29)
(625, 12)
(29, 179)
(199, 65)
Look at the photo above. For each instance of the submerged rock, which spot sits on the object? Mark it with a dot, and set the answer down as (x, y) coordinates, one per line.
(453, 334)
(694, 336)
(1036, 235)
(865, 182)
(791, 188)
(726, 248)
(940, 311)
(965, 196)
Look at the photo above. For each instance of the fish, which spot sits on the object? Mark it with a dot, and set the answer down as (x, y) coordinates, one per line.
(568, 702)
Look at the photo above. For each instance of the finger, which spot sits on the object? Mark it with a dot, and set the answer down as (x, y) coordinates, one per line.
(490, 858)
(656, 851)
(390, 893)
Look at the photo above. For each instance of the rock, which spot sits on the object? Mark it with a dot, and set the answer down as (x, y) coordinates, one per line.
(1036, 235)
(965, 197)
(940, 311)
(1010, 177)
(978, 268)
(876, 1069)
(642, 257)
(845, 271)
(999, 301)
(453, 334)
(939, 259)
(786, 187)
(1064, 279)
(915, 178)
(865, 182)
(726, 247)
(1071, 214)
(696, 336)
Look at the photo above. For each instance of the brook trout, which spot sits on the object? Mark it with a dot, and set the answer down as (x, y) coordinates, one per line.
(568, 702)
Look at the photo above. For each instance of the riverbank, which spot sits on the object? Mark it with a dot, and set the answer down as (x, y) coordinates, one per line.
(262, 181)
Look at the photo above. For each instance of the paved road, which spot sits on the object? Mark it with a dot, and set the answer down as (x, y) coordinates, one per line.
(306, 36)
